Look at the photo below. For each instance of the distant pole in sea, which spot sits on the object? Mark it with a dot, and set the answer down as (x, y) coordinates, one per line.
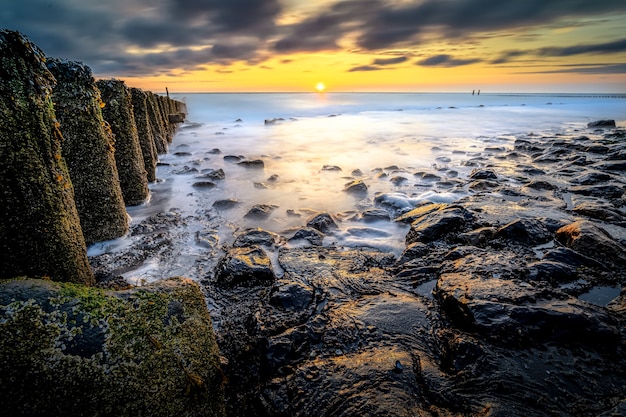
(478, 93)
(473, 91)
(167, 93)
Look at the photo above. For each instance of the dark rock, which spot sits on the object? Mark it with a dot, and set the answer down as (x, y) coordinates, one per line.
(601, 212)
(602, 123)
(323, 222)
(88, 150)
(176, 118)
(478, 237)
(260, 211)
(313, 236)
(590, 240)
(40, 226)
(212, 174)
(246, 266)
(118, 111)
(482, 185)
(483, 174)
(356, 187)
(541, 185)
(439, 225)
(597, 148)
(290, 295)
(607, 191)
(331, 168)
(232, 158)
(416, 213)
(530, 232)
(203, 184)
(256, 237)
(226, 204)
(611, 165)
(75, 351)
(373, 215)
(255, 163)
(591, 178)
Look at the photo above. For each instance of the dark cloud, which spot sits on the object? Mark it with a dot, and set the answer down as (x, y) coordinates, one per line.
(613, 47)
(107, 34)
(444, 60)
(365, 68)
(390, 61)
(603, 69)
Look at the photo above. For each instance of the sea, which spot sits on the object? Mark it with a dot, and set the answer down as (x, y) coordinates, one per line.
(406, 148)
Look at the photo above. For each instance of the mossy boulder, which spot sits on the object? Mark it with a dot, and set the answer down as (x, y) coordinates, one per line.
(40, 228)
(88, 149)
(118, 111)
(71, 350)
(144, 131)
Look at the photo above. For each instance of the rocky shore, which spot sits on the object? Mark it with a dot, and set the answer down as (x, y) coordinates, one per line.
(510, 301)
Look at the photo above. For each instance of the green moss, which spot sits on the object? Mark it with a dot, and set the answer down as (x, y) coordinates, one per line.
(72, 350)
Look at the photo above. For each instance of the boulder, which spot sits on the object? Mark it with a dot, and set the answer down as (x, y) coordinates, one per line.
(247, 266)
(585, 237)
(439, 225)
(40, 226)
(118, 111)
(88, 148)
(356, 187)
(323, 222)
(530, 232)
(602, 123)
(77, 351)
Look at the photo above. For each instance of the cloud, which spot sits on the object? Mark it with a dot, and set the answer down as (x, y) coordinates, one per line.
(600, 69)
(390, 61)
(365, 68)
(445, 60)
(613, 47)
(141, 37)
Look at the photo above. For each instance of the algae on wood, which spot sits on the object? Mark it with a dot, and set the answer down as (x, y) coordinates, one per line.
(40, 229)
(88, 149)
(71, 350)
(118, 111)
(159, 132)
(144, 131)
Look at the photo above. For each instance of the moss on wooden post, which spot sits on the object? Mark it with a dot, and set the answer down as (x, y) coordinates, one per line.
(144, 131)
(159, 133)
(39, 226)
(88, 149)
(118, 111)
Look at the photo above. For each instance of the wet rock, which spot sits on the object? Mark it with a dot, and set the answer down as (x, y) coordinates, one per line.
(74, 351)
(246, 266)
(323, 222)
(331, 168)
(311, 235)
(607, 191)
(254, 163)
(416, 213)
(613, 165)
(291, 295)
(144, 132)
(530, 232)
(602, 123)
(483, 174)
(207, 185)
(482, 185)
(600, 211)
(232, 158)
(591, 178)
(118, 111)
(260, 237)
(541, 185)
(40, 226)
(439, 225)
(226, 204)
(373, 215)
(260, 211)
(88, 150)
(590, 240)
(356, 187)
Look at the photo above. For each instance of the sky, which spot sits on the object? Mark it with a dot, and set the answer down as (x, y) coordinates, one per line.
(348, 45)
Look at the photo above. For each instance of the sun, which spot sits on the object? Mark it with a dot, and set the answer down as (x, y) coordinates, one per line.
(320, 87)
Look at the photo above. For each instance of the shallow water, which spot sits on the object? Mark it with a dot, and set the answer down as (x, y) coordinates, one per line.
(394, 143)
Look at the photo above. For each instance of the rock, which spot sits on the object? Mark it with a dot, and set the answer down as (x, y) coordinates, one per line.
(40, 225)
(118, 111)
(356, 187)
(88, 150)
(176, 118)
(311, 235)
(591, 178)
(416, 213)
(144, 132)
(483, 174)
(323, 222)
(541, 185)
(290, 295)
(212, 174)
(255, 163)
(439, 225)
(607, 191)
(246, 266)
(602, 123)
(590, 240)
(226, 204)
(600, 211)
(530, 232)
(260, 211)
(207, 185)
(374, 215)
(74, 351)
(254, 237)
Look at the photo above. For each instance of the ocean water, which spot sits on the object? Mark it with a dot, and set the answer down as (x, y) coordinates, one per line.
(319, 142)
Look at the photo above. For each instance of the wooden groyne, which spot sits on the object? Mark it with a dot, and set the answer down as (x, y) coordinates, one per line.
(75, 152)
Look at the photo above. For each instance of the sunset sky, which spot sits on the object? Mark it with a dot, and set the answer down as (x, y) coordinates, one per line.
(364, 45)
